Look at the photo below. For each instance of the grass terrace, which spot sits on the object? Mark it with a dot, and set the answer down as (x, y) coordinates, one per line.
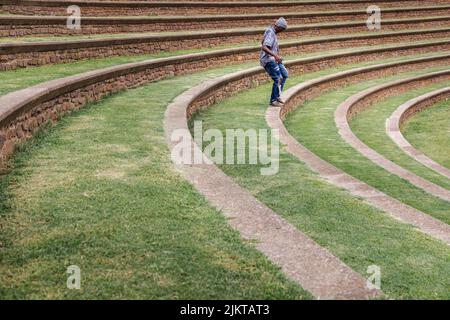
(414, 265)
(313, 125)
(369, 126)
(429, 131)
(98, 190)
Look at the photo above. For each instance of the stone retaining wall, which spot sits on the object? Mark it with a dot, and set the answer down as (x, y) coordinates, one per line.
(212, 95)
(14, 55)
(329, 172)
(44, 26)
(406, 111)
(24, 111)
(368, 100)
(313, 91)
(423, 104)
(363, 100)
(93, 8)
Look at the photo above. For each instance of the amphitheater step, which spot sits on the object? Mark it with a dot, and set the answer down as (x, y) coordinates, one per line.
(406, 111)
(361, 100)
(26, 25)
(117, 8)
(303, 260)
(304, 202)
(16, 55)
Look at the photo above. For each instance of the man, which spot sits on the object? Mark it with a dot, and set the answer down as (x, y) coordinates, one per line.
(272, 61)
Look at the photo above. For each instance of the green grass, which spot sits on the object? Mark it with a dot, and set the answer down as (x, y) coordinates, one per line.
(25, 77)
(98, 36)
(429, 131)
(121, 35)
(95, 172)
(313, 125)
(21, 78)
(98, 190)
(369, 126)
(413, 265)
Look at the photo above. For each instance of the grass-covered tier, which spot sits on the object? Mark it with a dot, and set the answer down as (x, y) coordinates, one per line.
(429, 131)
(99, 191)
(369, 125)
(414, 265)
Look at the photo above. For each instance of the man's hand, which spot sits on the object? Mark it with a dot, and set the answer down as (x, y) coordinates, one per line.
(278, 58)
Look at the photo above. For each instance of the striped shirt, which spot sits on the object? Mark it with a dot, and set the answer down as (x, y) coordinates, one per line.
(271, 41)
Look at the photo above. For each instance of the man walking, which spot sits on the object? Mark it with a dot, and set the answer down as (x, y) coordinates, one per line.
(272, 61)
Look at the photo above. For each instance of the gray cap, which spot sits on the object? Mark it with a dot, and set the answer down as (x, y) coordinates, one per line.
(281, 23)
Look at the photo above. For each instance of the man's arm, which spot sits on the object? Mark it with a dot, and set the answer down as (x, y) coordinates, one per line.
(266, 49)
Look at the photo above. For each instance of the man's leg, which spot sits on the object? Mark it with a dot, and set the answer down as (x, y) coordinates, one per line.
(273, 70)
(284, 74)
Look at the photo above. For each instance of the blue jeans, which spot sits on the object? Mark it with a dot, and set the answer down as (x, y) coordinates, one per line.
(279, 75)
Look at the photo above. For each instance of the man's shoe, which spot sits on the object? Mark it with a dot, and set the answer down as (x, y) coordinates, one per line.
(275, 104)
(280, 101)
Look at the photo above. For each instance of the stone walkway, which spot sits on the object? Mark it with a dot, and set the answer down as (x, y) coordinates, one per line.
(405, 111)
(300, 258)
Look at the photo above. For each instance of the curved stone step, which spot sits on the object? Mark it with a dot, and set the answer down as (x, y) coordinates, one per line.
(300, 258)
(15, 55)
(406, 111)
(24, 111)
(235, 202)
(356, 187)
(28, 109)
(115, 8)
(16, 26)
(309, 89)
(354, 104)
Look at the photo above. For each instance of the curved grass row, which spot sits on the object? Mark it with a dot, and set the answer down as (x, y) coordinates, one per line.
(17, 25)
(111, 172)
(12, 234)
(407, 110)
(35, 53)
(146, 94)
(355, 232)
(369, 126)
(308, 90)
(99, 191)
(429, 131)
(294, 31)
(363, 100)
(99, 8)
(14, 80)
(313, 125)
